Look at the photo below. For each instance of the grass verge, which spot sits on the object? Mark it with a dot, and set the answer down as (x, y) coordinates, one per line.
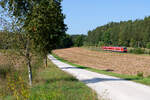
(143, 80)
(53, 84)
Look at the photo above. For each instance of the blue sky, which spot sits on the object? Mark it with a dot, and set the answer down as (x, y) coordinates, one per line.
(84, 15)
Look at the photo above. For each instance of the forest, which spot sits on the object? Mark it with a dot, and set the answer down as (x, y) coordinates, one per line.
(125, 33)
(130, 33)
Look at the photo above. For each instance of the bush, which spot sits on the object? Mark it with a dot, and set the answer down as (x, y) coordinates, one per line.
(101, 43)
(4, 70)
(148, 45)
(140, 74)
(137, 51)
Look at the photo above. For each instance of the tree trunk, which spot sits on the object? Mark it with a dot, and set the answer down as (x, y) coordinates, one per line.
(29, 62)
(30, 72)
(45, 61)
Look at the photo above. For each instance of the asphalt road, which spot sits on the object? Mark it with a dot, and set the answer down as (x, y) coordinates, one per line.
(108, 87)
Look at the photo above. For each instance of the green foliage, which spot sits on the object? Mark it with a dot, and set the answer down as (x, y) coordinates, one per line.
(78, 40)
(125, 33)
(42, 21)
(132, 43)
(137, 51)
(5, 70)
(46, 25)
(148, 45)
(101, 43)
(6, 40)
(140, 74)
(106, 38)
(65, 42)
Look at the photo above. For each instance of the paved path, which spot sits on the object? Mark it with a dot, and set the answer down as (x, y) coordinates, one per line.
(107, 86)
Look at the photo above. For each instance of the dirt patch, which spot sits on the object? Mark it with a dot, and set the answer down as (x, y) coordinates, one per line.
(116, 62)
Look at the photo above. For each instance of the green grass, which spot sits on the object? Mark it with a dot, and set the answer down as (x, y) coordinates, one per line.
(54, 84)
(143, 80)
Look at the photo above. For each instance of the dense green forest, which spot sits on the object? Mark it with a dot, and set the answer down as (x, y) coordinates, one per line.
(125, 33)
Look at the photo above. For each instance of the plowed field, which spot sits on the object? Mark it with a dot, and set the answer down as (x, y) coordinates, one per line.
(116, 62)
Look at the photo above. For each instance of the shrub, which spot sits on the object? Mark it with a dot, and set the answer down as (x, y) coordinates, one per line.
(137, 51)
(140, 74)
(132, 43)
(4, 70)
(101, 43)
(148, 45)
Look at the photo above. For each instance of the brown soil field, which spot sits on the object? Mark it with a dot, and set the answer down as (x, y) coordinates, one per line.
(121, 63)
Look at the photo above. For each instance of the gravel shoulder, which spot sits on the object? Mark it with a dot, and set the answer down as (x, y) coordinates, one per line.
(109, 87)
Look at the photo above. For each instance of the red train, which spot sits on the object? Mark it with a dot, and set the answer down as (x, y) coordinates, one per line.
(115, 49)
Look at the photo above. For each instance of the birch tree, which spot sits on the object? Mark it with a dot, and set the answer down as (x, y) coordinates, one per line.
(43, 23)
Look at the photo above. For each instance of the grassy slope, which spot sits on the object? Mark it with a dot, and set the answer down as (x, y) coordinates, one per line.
(54, 84)
(145, 80)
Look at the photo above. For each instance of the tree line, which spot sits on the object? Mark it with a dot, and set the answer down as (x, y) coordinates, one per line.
(125, 33)
(130, 33)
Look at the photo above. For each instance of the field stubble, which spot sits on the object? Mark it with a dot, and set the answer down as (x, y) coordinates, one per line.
(121, 63)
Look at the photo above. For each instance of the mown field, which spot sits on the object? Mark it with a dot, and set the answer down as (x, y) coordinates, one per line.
(48, 83)
(121, 63)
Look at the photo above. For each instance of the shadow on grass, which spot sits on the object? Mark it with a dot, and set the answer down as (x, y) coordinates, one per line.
(72, 79)
(95, 80)
(73, 67)
(106, 71)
